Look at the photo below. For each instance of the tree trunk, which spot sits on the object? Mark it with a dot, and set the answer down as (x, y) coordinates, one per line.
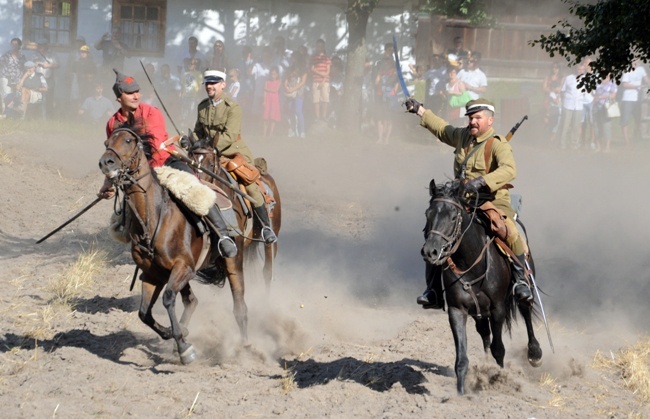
(357, 15)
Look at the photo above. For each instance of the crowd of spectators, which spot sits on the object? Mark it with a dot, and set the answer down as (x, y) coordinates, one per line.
(577, 119)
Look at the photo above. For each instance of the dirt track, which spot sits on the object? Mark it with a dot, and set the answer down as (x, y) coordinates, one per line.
(340, 335)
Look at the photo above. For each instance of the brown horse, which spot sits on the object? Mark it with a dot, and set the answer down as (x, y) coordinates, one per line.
(165, 244)
(207, 157)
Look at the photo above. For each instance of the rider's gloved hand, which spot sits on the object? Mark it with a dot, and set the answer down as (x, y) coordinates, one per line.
(475, 185)
(412, 105)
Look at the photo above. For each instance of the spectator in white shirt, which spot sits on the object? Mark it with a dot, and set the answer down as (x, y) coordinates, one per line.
(632, 83)
(572, 104)
(474, 79)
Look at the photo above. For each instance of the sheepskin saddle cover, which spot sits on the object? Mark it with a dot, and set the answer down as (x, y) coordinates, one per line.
(187, 188)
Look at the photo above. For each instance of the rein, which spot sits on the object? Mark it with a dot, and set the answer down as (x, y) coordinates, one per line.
(126, 179)
(453, 242)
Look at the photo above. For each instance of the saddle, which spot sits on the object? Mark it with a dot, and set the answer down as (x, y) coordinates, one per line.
(245, 174)
(499, 229)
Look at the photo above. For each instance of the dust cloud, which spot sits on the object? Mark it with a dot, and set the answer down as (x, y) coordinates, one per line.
(584, 214)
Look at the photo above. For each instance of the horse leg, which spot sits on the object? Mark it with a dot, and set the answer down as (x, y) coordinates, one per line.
(178, 279)
(483, 329)
(149, 296)
(458, 322)
(267, 270)
(234, 267)
(498, 349)
(534, 349)
(189, 303)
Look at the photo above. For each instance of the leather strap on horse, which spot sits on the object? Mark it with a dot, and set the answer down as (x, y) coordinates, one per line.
(509, 252)
(468, 286)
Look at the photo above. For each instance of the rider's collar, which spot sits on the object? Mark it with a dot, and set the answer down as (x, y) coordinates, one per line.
(216, 102)
(488, 134)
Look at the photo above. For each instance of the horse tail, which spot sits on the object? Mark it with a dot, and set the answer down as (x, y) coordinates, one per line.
(511, 311)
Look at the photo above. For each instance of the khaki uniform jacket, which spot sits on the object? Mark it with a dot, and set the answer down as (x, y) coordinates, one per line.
(225, 119)
(501, 161)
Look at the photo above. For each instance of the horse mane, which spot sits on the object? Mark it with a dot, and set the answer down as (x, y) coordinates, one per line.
(144, 136)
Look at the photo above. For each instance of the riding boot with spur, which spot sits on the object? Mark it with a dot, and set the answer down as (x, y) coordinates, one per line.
(226, 244)
(522, 289)
(268, 235)
(432, 297)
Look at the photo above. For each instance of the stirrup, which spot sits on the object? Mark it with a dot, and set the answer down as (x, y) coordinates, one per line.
(226, 239)
(270, 237)
(528, 293)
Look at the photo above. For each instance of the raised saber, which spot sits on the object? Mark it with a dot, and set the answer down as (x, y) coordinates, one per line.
(159, 99)
(398, 67)
(515, 128)
(541, 306)
(74, 217)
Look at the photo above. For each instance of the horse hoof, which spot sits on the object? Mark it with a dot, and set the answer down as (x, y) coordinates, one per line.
(535, 362)
(188, 356)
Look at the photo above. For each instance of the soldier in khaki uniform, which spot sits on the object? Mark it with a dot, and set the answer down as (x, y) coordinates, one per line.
(500, 171)
(220, 118)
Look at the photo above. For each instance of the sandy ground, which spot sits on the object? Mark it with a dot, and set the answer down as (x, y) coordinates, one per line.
(340, 334)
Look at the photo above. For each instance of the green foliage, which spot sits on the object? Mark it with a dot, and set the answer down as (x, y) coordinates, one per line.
(473, 10)
(614, 33)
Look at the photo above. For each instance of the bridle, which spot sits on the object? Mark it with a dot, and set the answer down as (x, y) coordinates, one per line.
(130, 167)
(124, 180)
(452, 240)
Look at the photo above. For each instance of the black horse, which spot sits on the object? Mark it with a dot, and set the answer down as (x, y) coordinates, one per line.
(475, 274)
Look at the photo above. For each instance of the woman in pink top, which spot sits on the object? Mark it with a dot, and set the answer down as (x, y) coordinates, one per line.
(271, 102)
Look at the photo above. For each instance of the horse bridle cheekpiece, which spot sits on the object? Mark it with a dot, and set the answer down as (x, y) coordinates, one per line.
(453, 239)
(131, 166)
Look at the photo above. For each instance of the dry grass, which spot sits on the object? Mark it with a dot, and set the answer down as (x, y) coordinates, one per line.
(632, 364)
(4, 156)
(77, 278)
(547, 381)
(288, 380)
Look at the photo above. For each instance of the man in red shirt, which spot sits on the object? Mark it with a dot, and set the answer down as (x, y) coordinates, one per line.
(320, 76)
(151, 121)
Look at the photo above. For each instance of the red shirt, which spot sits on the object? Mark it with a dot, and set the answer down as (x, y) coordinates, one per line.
(152, 122)
(321, 63)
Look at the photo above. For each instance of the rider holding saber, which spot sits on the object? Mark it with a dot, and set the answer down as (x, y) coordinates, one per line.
(488, 163)
(151, 120)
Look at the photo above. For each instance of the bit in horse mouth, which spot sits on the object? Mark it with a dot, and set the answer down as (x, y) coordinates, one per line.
(113, 174)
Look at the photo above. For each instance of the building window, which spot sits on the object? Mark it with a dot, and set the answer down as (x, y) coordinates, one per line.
(142, 25)
(52, 20)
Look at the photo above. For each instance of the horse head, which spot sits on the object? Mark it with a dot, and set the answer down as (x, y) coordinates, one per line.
(126, 153)
(443, 230)
(205, 154)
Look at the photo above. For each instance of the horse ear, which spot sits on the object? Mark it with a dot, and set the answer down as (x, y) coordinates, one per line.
(130, 120)
(191, 137)
(432, 187)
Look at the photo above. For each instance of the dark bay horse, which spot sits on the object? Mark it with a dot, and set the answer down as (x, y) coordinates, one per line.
(476, 276)
(165, 245)
(207, 157)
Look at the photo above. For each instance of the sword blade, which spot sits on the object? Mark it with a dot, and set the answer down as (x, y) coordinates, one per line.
(74, 217)
(400, 76)
(541, 306)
